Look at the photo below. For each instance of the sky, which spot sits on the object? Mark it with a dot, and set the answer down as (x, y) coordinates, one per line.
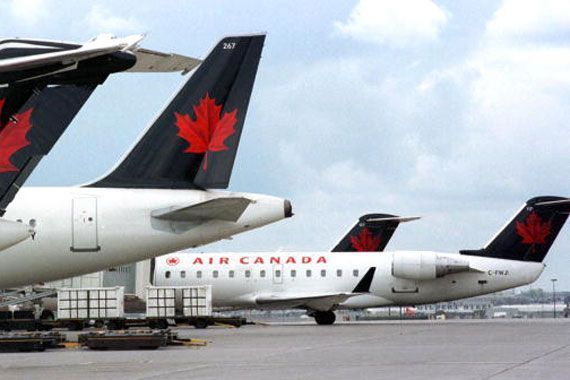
(456, 111)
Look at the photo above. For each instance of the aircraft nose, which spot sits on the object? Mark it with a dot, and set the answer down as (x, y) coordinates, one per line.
(288, 208)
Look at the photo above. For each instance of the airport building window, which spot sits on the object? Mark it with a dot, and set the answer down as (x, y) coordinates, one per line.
(323, 273)
(183, 274)
(339, 272)
(199, 274)
(277, 273)
(293, 273)
(167, 274)
(262, 273)
(215, 274)
(308, 273)
(355, 273)
(248, 273)
(231, 274)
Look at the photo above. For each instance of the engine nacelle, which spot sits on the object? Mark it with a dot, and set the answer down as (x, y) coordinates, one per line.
(425, 265)
(12, 233)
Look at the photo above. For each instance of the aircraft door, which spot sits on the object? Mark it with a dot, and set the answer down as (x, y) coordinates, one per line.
(277, 273)
(84, 237)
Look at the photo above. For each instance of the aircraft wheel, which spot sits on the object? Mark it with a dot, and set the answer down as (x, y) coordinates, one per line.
(324, 317)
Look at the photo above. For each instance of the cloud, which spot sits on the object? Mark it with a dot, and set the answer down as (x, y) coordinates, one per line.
(396, 23)
(103, 20)
(530, 19)
(28, 11)
(462, 143)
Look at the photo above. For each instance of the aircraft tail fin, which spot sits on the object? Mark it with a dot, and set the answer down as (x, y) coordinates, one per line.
(371, 233)
(531, 233)
(32, 119)
(193, 142)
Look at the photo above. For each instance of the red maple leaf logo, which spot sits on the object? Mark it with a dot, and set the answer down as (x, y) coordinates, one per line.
(208, 132)
(172, 261)
(365, 242)
(13, 138)
(533, 230)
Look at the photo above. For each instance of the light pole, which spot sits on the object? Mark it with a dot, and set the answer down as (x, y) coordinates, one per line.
(553, 296)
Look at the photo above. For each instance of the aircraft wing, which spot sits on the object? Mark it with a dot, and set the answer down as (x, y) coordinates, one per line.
(316, 301)
(151, 60)
(228, 209)
(319, 302)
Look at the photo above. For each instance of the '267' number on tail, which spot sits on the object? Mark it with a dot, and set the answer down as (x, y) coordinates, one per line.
(229, 45)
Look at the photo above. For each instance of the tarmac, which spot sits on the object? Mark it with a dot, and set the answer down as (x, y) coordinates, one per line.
(475, 349)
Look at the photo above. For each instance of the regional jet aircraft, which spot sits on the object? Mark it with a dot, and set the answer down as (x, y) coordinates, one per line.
(162, 196)
(322, 282)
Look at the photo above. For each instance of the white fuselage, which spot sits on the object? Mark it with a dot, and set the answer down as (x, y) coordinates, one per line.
(81, 230)
(239, 279)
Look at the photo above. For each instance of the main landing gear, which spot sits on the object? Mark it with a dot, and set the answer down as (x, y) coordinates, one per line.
(324, 317)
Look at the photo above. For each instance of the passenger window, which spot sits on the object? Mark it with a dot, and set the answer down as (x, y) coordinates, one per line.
(339, 272)
(248, 273)
(167, 274)
(277, 273)
(262, 273)
(308, 273)
(215, 274)
(355, 273)
(323, 272)
(199, 274)
(293, 273)
(231, 274)
(183, 274)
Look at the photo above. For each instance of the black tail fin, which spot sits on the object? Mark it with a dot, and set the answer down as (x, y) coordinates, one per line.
(530, 234)
(371, 233)
(31, 122)
(193, 143)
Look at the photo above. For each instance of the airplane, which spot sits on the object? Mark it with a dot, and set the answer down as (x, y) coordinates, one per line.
(35, 110)
(322, 282)
(164, 195)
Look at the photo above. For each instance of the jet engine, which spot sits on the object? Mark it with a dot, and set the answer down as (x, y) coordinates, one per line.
(425, 265)
(12, 233)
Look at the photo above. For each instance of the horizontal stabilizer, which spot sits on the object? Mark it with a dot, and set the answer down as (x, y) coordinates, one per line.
(563, 203)
(155, 61)
(227, 209)
(399, 219)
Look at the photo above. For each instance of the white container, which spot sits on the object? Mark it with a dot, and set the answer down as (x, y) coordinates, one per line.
(197, 301)
(160, 302)
(193, 301)
(90, 303)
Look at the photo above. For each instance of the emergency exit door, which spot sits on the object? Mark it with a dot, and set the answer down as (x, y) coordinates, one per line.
(84, 225)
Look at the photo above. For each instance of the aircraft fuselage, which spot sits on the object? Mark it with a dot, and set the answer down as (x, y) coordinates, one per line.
(81, 230)
(263, 275)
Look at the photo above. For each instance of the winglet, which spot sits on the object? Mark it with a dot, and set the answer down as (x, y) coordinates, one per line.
(363, 285)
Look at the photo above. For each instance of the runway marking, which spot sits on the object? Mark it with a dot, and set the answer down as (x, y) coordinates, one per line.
(526, 362)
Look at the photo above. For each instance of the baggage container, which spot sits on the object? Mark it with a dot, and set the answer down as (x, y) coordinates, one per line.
(197, 301)
(90, 303)
(177, 301)
(160, 302)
